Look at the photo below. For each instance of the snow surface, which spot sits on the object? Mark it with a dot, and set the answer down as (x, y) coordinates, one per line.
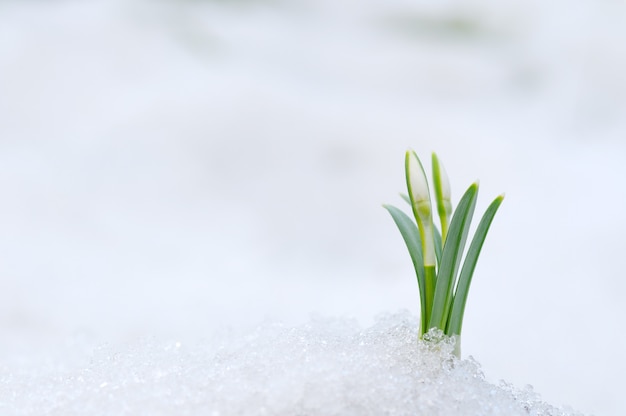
(172, 168)
(325, 367)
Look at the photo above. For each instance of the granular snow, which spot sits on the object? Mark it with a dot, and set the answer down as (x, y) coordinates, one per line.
(325, 367)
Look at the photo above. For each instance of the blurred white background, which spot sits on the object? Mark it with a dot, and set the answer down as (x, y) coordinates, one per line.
(172, 167)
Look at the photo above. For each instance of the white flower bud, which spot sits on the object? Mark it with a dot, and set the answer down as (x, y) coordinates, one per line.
(420, 201)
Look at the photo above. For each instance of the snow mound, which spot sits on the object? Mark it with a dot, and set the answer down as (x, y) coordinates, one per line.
(325, 367)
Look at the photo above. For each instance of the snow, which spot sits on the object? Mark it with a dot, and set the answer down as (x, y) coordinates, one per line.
(324, 367)
(171, 169)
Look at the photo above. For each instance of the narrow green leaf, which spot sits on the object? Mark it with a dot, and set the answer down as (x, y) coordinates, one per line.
(406, 198)
(451, 257)
(411, 237)
(455, 321)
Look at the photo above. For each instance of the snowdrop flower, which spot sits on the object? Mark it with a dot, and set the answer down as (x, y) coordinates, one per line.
(419, 194)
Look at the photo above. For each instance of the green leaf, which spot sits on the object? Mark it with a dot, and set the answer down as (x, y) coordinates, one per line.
(411, 237)
(451, 257)
(406, 198)
(455, 321)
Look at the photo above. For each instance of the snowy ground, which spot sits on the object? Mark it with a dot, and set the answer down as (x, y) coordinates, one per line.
(326, 367)
(169, 169)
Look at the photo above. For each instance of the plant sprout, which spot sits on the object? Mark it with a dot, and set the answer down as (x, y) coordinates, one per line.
(437, 254)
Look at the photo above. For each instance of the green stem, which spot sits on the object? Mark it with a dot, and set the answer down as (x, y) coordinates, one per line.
(457, 345)
(430, 282)
(444, 229)
(442, 195)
